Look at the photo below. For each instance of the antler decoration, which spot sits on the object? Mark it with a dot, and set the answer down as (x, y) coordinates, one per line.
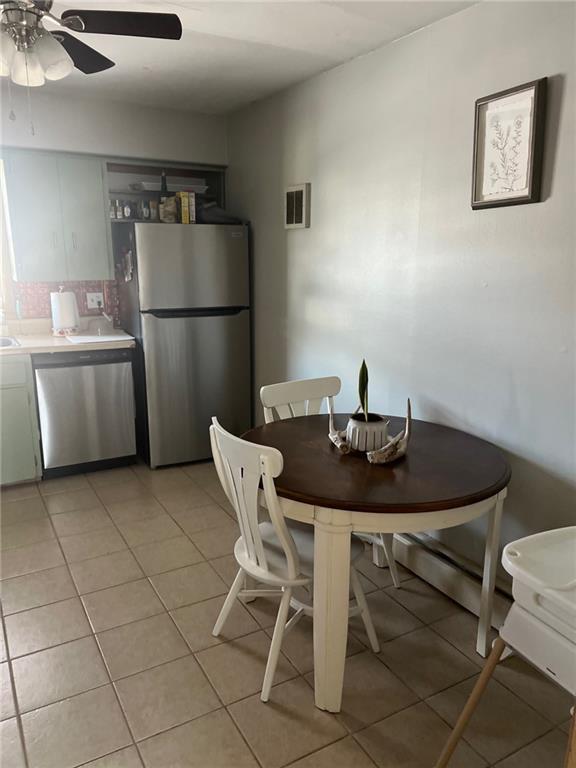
(338, 438)
(396, 447)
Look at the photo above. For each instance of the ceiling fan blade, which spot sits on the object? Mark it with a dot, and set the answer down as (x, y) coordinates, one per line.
(85, 58)
(131, 23)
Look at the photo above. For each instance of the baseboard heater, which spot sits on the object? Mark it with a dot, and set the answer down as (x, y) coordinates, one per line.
(455, 577)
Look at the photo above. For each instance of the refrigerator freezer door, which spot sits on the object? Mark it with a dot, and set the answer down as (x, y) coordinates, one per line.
(86, 413)
(184, 266)
(196, 368)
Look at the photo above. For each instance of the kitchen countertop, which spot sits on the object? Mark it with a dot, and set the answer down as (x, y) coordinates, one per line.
(32, 344)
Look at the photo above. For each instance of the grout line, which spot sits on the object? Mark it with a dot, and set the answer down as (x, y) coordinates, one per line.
(524, 701)
(362, 747)
(463, 737)
(529, 743)
(111, 754)
(216, 693)
(479, 664)
(93, 633)
(391, 590)
(12, 679)
(189, 649)
(100, 652)
(198, 663)
(70, 696)
(139, 671)
(117, 626)
(17, 714)
(330, 744)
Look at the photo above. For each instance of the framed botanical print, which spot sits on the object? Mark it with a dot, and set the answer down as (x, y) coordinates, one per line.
(508, 146)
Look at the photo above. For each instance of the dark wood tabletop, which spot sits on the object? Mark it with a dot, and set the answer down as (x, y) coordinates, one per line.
(444, 468)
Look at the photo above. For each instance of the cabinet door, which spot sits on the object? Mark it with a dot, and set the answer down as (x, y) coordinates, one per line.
(18, 444)
(85, 218)
(35, 216)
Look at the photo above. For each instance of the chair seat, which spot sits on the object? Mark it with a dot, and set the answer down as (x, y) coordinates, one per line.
(303, 536)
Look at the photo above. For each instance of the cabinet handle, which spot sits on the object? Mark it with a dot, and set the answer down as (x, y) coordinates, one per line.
(74, 241)
(54, 241)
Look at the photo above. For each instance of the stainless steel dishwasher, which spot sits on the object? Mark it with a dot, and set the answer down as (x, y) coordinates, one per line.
(86, 409)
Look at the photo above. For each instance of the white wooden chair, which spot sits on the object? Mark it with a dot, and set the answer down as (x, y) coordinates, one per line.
(304, 397)
(277, 553)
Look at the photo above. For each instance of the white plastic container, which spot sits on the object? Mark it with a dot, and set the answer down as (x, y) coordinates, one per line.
(541, 624)
(543, 567)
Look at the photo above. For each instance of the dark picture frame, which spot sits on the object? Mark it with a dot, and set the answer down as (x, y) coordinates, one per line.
(509, 146)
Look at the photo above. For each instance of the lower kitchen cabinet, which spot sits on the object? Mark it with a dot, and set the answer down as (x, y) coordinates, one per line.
(20, 437)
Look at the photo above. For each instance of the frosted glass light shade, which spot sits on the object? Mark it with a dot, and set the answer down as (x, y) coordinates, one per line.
(53, 58)
(26, 69)
(7, 50)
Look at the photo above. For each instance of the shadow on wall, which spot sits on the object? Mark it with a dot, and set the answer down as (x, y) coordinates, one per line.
(538, 498)
(555, 92)
(251, 193)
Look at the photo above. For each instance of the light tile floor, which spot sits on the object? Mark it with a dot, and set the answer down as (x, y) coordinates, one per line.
(111, 583)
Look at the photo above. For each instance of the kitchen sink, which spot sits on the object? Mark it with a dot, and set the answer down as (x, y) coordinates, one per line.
(9, 341)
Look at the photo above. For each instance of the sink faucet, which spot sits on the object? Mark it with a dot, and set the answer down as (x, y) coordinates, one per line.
(105, 314)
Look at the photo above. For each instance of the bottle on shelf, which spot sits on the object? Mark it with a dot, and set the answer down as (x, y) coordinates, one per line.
(119, 210)
(163, 195)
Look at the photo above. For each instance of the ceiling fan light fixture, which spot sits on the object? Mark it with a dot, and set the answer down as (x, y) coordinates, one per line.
(26, 69)
(54, 60)
(7, 50)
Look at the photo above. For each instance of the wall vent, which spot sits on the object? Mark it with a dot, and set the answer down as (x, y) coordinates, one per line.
(297, 206)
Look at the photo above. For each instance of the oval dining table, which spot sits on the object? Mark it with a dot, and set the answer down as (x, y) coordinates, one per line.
(447, 478)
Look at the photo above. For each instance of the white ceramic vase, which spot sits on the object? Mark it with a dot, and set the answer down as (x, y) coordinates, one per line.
(362, 435)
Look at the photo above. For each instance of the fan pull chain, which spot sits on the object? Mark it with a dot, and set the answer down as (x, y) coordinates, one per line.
(30, 116)
(29, 98)
(11, 113)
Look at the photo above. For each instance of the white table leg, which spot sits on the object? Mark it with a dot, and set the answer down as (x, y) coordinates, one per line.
(489, 576)
(331, 595)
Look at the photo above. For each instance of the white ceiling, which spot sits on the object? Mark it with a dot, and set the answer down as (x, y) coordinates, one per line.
(233, 53)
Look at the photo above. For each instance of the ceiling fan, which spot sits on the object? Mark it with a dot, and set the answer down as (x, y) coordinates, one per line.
(30, 53)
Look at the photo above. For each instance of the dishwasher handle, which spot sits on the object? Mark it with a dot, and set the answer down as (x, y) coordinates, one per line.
(70, 359)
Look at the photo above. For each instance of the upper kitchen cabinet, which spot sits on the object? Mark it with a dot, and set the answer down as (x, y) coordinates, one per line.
(85, 218)
(58, 216)
(35, 215)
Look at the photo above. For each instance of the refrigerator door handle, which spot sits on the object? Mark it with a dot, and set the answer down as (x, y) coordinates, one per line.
(200, 312)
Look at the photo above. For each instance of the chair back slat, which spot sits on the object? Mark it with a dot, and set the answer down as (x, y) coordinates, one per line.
(284, 412)
(298, 398)
(247, 485)
(241, 468)
(299, 409)
(315, 405)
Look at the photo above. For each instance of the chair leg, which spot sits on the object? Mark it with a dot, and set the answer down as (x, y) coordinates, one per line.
(378, 554)
(387, 544)
(570, 759)
(472, 703)
(364, 610)
(229, 602)
(249, 583)
(276, 643)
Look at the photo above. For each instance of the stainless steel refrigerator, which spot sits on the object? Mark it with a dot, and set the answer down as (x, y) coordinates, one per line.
(185, 295)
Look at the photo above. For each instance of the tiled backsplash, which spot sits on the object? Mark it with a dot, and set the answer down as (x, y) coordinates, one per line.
(33, 299)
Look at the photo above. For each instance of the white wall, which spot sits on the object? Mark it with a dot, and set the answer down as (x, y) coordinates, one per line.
(111, 128)
(471, 313)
